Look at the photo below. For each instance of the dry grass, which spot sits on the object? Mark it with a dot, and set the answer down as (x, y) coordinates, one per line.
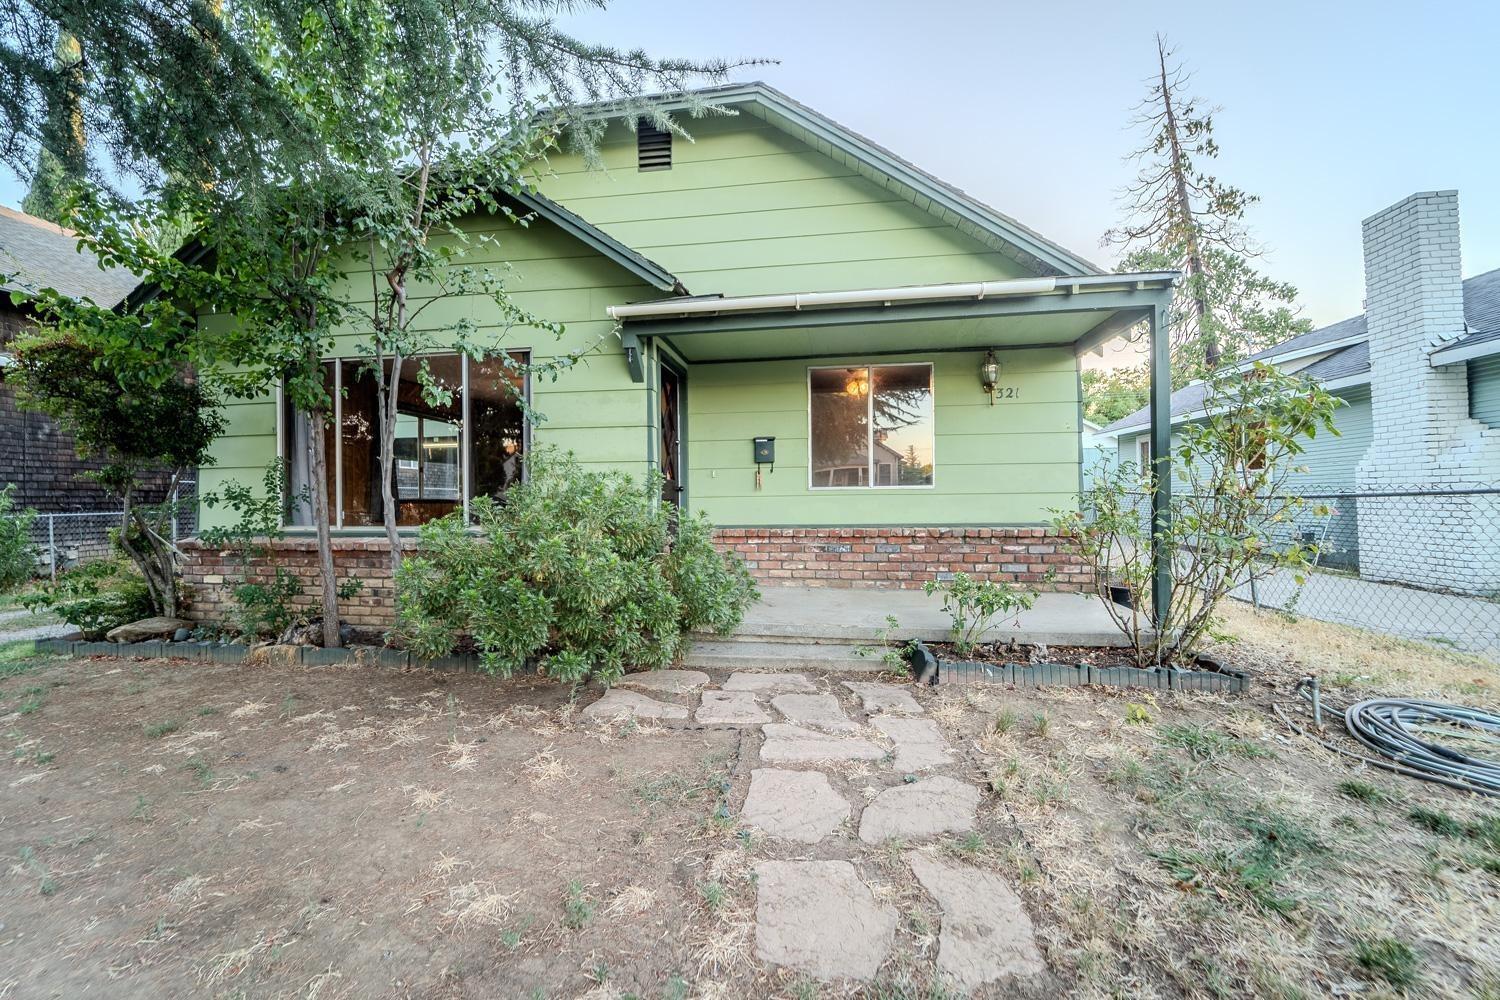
(1344, 656)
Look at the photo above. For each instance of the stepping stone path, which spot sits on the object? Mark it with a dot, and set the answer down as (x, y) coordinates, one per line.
(921, 809)
(986, 934)
(665, 681)
(769, 683)
(794, 745)
(819, 711)
(818, 917)
(891, 698)
(732, 708)
(617, 704)
(793, 805)
(919, 742)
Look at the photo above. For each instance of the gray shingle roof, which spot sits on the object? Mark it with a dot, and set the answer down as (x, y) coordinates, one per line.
(35, 253)
(1481, 313)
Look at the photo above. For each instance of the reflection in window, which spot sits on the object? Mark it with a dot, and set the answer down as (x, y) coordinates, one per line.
(871, 425)
(433, 454)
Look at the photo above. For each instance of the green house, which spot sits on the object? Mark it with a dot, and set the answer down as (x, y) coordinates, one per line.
(863, 375)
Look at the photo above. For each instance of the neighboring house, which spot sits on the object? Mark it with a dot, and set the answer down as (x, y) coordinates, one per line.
(1099, 452)
(782, 277)
(36, 457)
(1419, 373)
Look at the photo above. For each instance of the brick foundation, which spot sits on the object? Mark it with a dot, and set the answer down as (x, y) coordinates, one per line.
(209, 573)
(904, 558)
(896, 558)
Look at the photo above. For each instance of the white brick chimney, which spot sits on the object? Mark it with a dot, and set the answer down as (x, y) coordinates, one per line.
(1424, 438)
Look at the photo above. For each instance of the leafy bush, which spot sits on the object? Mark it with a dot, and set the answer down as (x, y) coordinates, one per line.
(1232, 503)
(571, 568)
(95, 597)
(17, 558)
(975, 605)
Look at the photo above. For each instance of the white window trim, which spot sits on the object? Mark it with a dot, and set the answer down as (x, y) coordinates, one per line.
(337, 459)
(870, 426)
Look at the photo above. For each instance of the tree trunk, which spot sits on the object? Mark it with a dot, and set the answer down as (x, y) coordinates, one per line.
(1197, 298)
(327, 575)
(390, 407)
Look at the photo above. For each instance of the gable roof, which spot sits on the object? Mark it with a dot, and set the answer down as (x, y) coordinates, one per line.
(952, 205)
(1349, 342)
(35, 253)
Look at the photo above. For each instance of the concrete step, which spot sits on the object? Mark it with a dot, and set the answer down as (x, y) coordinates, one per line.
(749, 654)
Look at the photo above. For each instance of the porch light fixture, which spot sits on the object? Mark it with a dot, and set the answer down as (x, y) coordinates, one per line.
(857, 386)
(989, 374)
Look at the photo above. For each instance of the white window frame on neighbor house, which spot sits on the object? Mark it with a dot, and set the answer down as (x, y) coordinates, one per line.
(1143, 453)
(870, 425)
(336, 459)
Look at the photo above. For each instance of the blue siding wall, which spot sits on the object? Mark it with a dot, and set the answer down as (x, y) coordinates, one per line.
(1484, 389)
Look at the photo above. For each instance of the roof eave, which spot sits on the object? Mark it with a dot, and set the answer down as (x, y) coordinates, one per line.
(1461, 352)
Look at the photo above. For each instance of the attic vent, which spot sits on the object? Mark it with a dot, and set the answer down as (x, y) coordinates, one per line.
(653, 147)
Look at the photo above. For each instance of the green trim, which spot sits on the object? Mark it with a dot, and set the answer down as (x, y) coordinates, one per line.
(887, 525)
(904, 352)
(591, 236)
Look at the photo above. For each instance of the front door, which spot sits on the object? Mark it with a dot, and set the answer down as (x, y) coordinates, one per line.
(674, 490)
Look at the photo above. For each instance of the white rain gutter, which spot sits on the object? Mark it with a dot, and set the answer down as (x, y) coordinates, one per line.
(855, 297)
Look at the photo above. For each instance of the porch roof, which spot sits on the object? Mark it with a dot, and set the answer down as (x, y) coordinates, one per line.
(1081, 312)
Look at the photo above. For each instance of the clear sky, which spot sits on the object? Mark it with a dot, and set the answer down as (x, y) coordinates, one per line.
(1330, 111)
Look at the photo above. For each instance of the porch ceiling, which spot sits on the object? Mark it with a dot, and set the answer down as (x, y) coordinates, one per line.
(1080, 313)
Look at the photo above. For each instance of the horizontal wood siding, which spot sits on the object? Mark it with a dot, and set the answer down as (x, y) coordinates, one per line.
(747, 209)
(1006, 464)
(1484, 390)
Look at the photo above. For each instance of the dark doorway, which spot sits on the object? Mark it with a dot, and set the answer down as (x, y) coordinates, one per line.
(674, 489)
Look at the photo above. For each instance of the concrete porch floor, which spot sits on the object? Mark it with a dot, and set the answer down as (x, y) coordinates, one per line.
(839, 615)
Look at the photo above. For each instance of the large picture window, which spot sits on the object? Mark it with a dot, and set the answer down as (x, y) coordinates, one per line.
(870, 426)
(464, 440)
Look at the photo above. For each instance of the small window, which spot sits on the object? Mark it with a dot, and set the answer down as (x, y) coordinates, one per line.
(871, 426)
(1143, 452)
(653, 147)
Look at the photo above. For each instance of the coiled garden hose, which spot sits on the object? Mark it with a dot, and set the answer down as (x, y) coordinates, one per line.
(1399, 730)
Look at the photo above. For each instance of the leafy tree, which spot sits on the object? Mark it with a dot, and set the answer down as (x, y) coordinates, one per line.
(1110, 395)
(133, 428)
(1230, 515)
(61, 160)
(17, 555)
(1181, 217)
(279, 129)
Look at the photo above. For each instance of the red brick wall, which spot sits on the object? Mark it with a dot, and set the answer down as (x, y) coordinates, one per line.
(209, 574)
(904, 558)
(899, 558)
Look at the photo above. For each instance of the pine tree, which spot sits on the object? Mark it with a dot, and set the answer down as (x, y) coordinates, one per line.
(1181, 217)
(61, 161)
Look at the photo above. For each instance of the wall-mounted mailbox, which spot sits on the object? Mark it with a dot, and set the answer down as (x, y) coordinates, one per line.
(765, 451)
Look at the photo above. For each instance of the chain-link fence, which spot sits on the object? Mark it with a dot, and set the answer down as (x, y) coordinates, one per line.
(67, 539)
(1420, 563)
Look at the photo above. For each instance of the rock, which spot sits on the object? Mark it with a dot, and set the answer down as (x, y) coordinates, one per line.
(793, 744)
(146, 629)
(820, 711)
(768, 683)
(617, 704)
(818, 917)
(919, 742)
(665, 681)
(793, 805)
(986, 934)
(876, 697)
(182, 635)
(731, 708)
(920, 809)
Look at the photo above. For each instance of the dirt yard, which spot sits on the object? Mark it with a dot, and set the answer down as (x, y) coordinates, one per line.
(176, 829)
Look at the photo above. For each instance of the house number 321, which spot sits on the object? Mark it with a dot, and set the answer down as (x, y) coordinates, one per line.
(1007, 392)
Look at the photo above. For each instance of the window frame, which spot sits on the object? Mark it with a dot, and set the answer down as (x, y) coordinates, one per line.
(336, 459)
(870, 425)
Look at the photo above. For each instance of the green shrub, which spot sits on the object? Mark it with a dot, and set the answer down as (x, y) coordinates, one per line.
(572, 568)
(975, 606)
(95, 597)
(17, 557)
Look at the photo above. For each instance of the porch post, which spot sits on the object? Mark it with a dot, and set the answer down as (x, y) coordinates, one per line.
(1161, 462)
